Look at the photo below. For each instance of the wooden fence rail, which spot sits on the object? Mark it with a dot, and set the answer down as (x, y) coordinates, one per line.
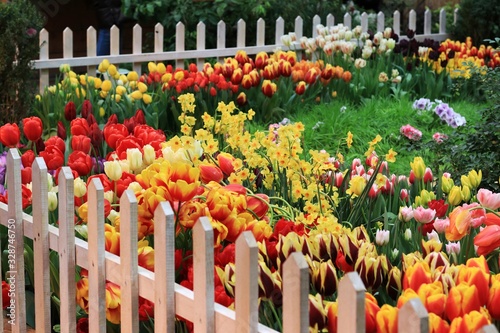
(138, 57)
(170, 299)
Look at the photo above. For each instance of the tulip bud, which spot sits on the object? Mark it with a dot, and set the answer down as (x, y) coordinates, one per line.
(149, 154)
(455, 196)
(407, 234)
(382, 237)
(475, 178)
(394, 282)
(134, 158)
(446, 184)
(418, 167)
(300, 88)
(52, 201)
(113, 169)
(80, 187)
(324, 277)
(466, 195)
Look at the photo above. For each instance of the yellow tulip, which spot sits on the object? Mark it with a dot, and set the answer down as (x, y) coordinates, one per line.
(132, 76)
(147, 99)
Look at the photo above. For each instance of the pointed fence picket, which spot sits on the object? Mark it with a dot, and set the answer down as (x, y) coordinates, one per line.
(171, 299)
(180, 54)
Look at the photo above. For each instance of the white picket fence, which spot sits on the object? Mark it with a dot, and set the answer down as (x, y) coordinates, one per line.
(138, 57)
(170, 299)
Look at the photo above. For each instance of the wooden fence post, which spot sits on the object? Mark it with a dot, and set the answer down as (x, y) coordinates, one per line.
(67, 251)
(15, 246)
(296, 294)
(164, 268)
(351, 304)
(413, 317)
(96, 256)
(41, 263)
(129, 289)
(203, 269)
(247, 292)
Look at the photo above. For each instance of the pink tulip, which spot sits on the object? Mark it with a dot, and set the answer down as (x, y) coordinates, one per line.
(488, 199)
(440, 225)
(424, 215)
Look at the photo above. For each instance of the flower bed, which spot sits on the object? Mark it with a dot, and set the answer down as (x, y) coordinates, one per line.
(413, 235)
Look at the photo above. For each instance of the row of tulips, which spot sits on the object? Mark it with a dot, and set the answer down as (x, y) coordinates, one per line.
(418, 235)
(347, 64)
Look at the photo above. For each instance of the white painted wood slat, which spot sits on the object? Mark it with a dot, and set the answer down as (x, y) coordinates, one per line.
(129, 288)
(203, 271)
(41, 245)
(96, 267)
(66, 249)
(15, 274)
(164, 269)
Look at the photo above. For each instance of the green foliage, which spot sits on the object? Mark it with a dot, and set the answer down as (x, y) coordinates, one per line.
(479, 19)
(20, 22)
(477, 147)
(190, 13)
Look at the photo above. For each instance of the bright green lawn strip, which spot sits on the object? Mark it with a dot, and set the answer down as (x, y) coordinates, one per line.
(378, 116)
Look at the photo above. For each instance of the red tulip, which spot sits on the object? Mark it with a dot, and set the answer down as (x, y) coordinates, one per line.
(27, 158)
(300, 89)
(32, 128)
(56, 141)
(258, 204)
(80, 162)
(61, 130)
(10, 135)
(70, 111)
(113, 133)
(53, 157)
(80, 142)
(269, 88)
(86, 109)
(26, 175)
(79, 126)
(210, 172)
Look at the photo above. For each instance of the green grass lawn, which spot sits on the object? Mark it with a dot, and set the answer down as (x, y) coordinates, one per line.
(327, 126)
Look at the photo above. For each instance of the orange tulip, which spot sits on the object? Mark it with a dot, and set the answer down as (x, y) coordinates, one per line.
(494, 300)
(470, 322)
(474, 276)
(82, 293)
(462, 218)
(190, 212)
(113, 302)
(112, 239)
(437, 324)
(183, 183)
(417, 275)
(261, 230)
(331, 314)
(387, 319)
(371, 311)
(462, 299)
(146, 257)
(433, 297)
(487, 240)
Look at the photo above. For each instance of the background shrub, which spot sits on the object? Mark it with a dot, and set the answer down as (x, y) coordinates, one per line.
(20, 22)
(479, 19)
